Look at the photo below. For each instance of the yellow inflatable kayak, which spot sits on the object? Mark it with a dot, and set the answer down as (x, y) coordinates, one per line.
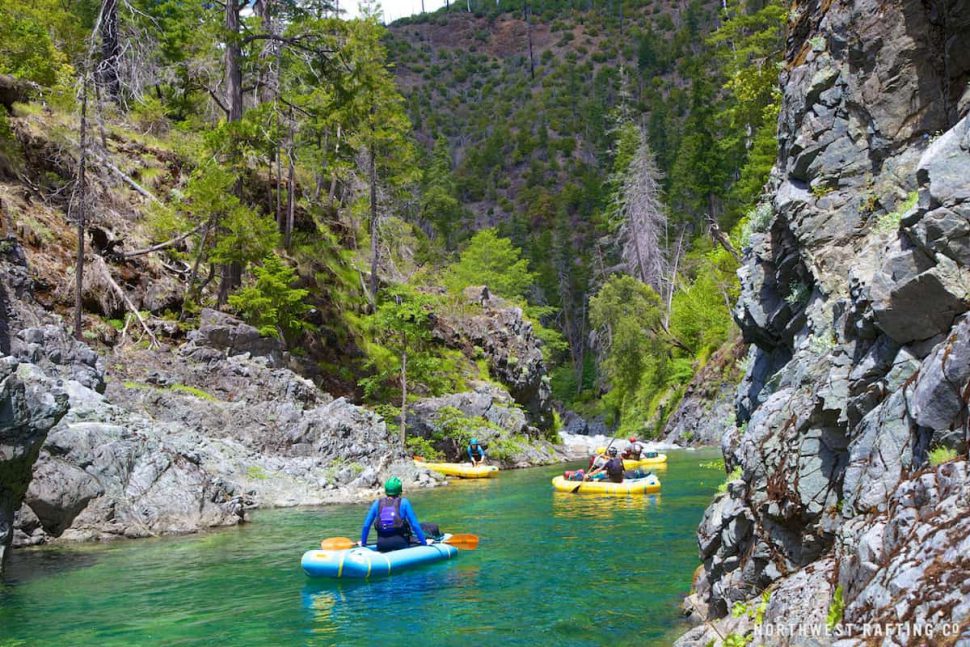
(659, 459)
(649, 484)
(462, 470)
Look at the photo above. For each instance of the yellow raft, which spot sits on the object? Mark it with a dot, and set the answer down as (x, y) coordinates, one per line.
(649, 484)
(462, 470)
(659, 459)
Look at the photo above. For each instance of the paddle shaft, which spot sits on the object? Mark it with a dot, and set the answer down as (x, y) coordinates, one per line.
(576, 489)
(465, 541)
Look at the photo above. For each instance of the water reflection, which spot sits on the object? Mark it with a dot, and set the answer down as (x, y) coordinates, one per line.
(337, 606)
(600, 506)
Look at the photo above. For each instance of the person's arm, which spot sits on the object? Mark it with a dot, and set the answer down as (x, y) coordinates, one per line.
(368, 520)
(471, 459)
(408, 513)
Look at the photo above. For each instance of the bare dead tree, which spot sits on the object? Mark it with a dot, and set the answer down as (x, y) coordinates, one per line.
(80, 206)
(107, 70)
(642, 219)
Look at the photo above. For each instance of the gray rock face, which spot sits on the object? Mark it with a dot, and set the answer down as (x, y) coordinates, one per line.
(509, 344)
(505, 421)
(30, 404)
(855, 300)
(707, 408)
(221, 335)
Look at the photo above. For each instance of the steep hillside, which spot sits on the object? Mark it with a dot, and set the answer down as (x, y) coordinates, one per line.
(526, 117)
(850, 499)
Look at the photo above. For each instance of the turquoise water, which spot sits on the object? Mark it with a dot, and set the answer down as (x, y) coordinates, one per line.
(551, 568)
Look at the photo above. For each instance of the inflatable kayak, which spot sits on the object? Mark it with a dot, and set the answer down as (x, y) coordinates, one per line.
(366, 562)
(462, 470)
(645, 461)
(649, 484)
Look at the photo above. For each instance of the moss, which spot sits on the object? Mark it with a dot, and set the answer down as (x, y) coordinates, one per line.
(256, 473)
(836, 610)
(733, 476)
(940, 455)
(193, 391)
(888, 223)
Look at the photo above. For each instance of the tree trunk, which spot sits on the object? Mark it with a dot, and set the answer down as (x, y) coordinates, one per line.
(81, 208)
(268, 83)
(290, 200)
(107, 71)
(234, 89)
(404, 395)
(231, 274)
(374, 247)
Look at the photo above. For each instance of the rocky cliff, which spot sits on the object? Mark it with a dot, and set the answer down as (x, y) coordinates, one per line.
(855, 299)
(167, 440)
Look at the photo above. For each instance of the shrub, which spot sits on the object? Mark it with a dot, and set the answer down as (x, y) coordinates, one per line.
(940, 455)
(271, 303)
(733, 476)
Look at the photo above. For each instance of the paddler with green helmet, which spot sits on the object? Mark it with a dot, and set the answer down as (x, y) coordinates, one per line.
(394, 520)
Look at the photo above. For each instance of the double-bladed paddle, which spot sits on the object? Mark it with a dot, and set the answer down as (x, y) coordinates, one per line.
(462, 541)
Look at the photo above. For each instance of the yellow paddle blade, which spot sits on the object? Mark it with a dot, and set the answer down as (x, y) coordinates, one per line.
(337, 543)
(465, 542)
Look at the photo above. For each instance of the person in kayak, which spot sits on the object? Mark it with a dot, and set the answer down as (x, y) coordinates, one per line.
(613, 468)
(394, 520)
(476, 453)
(598, 459)
(633, 450)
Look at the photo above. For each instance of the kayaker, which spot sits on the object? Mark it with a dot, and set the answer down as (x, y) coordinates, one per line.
(476, 453)
(613, 468)
(633, 450)
(394, 520)
(598, 459)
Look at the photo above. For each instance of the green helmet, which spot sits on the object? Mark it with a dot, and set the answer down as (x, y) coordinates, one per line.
(392, 487)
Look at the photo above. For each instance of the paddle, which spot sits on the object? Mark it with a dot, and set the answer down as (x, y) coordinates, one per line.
(463, 541)
(576, 489)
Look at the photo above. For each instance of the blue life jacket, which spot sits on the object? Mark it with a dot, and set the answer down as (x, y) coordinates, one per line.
(389, 520)
(476, 451)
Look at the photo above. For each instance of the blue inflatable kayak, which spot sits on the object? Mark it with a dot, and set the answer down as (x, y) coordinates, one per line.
(367, 562)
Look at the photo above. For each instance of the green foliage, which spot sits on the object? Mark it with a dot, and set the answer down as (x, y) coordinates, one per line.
(418, 446)
(940, 455)
(453, 429)
(29, 35)
(256, 473)
(733, 476)
(836, 609)
(401, 330)
(193, 391)
(701, 309)
(491, 260)
(271, 303)
(889, 222)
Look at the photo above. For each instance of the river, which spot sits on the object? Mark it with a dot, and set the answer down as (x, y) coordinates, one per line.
(551, 568)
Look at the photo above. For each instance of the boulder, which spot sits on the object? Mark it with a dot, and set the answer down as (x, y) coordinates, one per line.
(30, 405)
(500, 333)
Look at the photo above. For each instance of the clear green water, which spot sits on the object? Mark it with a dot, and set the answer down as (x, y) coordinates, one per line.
(551, 569)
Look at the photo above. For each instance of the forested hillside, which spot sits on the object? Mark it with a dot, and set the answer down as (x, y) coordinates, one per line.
(325, 179)
(618, 145)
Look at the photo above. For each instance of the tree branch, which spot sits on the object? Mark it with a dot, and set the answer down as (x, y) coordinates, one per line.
(161, 246)
(124, 297)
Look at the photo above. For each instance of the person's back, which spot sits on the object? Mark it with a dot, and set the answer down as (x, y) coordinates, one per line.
(634, 450)
(394, 520)
(614, 469)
